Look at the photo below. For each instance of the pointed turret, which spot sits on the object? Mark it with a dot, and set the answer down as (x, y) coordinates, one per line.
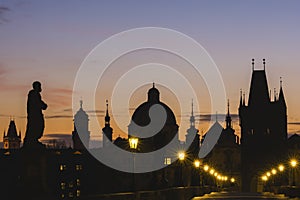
(281, 98)
(241, 98)
(259, 92)
(228, 117)
(192, 118)
(192, 136)
(107, 117)
(107, 130)
(11, 139)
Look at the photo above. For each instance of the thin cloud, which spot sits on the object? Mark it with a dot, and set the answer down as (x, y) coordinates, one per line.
(58, 116)
(294, 123)
(3, 11)
(95, 111)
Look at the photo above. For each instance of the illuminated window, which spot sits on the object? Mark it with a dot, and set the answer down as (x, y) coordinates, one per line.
(78, 182)
(78, 167)
(77, 193)
(63, 185)
(62, 196)
(62, 167)
(168, 161)
(71, 194)
(71, 184)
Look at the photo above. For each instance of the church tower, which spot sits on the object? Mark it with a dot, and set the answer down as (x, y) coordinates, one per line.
(192, 136)
(107, 131)
(81, 133)
(12, 140)
(263, 125)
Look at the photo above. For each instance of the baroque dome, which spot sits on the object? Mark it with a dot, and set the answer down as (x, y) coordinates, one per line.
(141, 118)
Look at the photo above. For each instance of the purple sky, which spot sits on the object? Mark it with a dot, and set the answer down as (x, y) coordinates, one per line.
(48, 40)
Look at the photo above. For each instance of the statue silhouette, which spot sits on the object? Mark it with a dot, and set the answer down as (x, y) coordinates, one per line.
(35, 118)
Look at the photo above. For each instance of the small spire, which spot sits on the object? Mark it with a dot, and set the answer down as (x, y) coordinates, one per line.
(192, 118)
(252, 64)
(228, 117)
(244, 99)
(107, 117)
(264, 63)
(275, 95)
(153, 85)
(228, 107)
(216, 116)
(280, 82)
(81, 102)
(241, 97)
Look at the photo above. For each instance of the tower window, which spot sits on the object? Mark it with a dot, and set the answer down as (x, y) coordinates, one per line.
(77, 193)
(168, 161)
(78, 167)
(78, 182)
(63, 185)
(62, 167)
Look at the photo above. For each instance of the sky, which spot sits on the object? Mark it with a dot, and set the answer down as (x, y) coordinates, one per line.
(49, 40)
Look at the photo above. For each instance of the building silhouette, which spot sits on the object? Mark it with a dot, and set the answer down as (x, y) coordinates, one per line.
(225, 156)
(263, 125)
(107, 131)
(11, 140)
(192, 137)
(81, 133)
(141, 118)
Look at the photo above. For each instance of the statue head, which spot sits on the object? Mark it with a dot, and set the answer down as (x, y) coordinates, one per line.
(37, 86)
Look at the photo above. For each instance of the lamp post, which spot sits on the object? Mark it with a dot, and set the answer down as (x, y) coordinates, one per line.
(181, 157)
(133, 143)
(293, 164)
(198, 179)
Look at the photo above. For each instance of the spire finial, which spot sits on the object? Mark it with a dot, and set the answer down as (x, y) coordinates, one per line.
(81, 102)
(280, 82)
(244, 99)
(228, 106)
(264, 63)
(107, 117)
(252, 64)
(192, 107)
(153, 85)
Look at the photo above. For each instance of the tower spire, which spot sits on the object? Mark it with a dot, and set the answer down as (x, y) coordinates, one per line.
(192, 118)
(228, 117)
(81, 102)
(107, 117)
(241, 97)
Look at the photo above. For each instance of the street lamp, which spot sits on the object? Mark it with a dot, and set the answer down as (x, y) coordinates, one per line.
(281, 168)
(197, 163)
(181, 157)
(133, 143)
(293, 163)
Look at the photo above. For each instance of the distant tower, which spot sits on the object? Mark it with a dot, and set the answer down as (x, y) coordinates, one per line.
(12, 140)
(81, 128)
(107, 131)
(192, 136)
(263, 129)
(228, 117)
